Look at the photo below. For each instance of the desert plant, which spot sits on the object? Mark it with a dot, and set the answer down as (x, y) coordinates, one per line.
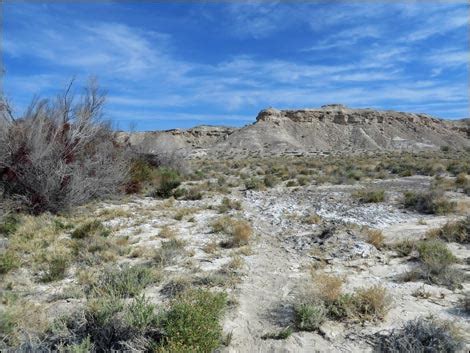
(431, 202)
(456, 231)
(371, 303)
(9, 224)
(169, 252)
(169, 180)
(419, 336)
(309, 316)
(280, 335)
(370, 196)
(192, 322)
(8, 261)
(375, 237)
(125, 282)
(60, 154)
(435, 256)
(89, 229)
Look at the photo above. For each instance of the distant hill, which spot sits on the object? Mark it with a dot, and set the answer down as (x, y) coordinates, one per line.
(309, 131)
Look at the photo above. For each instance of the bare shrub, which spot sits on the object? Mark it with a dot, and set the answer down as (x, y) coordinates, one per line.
(61, 153)
(419, 335)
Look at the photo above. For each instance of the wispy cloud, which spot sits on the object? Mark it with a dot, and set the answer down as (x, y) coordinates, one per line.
(283, 54)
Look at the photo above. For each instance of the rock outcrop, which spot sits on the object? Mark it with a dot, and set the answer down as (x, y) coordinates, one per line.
(332, 127)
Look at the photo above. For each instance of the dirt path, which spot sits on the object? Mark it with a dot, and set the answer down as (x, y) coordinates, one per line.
(268, 288)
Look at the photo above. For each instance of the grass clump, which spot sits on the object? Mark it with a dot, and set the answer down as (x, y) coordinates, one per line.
(283, 334)
(435, 256)
(239, 230)
(192, 322)
(370, 196)
(327, 300)
(227, 205)
(9, 224)
(429, 203)
(8, 261)
(309, 315)
(435, 265)
(375, 237)
(89, 229)
(169, 252)
(167, 232)
(125, 282)
(419, 336)
(456, 231)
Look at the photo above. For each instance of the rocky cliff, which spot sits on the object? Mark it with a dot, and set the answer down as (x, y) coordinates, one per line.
(329, 128)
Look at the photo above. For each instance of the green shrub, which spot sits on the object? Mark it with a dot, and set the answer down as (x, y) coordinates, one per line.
(8, 261)
(168, 181)
(56, 267)
(192, 321)
(435, 256)
(309, 316)
(140, 314)
(370, 196)
(9, 224)
(253, 184)
(429, 203)
(125, 282)
(92, 228)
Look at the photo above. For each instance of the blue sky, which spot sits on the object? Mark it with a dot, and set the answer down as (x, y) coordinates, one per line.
(180, 64)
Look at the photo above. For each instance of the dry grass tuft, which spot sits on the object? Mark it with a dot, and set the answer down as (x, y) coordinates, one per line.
(375, 237)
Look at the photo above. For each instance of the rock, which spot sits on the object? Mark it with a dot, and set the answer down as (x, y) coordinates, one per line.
(331, 330)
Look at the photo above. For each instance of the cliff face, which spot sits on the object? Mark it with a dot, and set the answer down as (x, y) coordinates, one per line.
(340, 114)
(329, 128)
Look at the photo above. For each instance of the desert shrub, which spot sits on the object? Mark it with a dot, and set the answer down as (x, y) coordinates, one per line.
(431, 202)
(375, 237)
(89, 229)
(141, 172)
(420, 336)
(239, 230)
(193, 194)
(169, 252)
(9, 224)
(309, 316)
(59, 154)
(328, 287)
(228, 204)
(125, 282)
(404, 247)
(192, 322)
(435, 256)
(269, 180)
(253, 184)
(56, 266)
(241, 233)
(456, 231)
(8, 261)
(370, 196)
(167, 232)
(371, 303)
(169, 180)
